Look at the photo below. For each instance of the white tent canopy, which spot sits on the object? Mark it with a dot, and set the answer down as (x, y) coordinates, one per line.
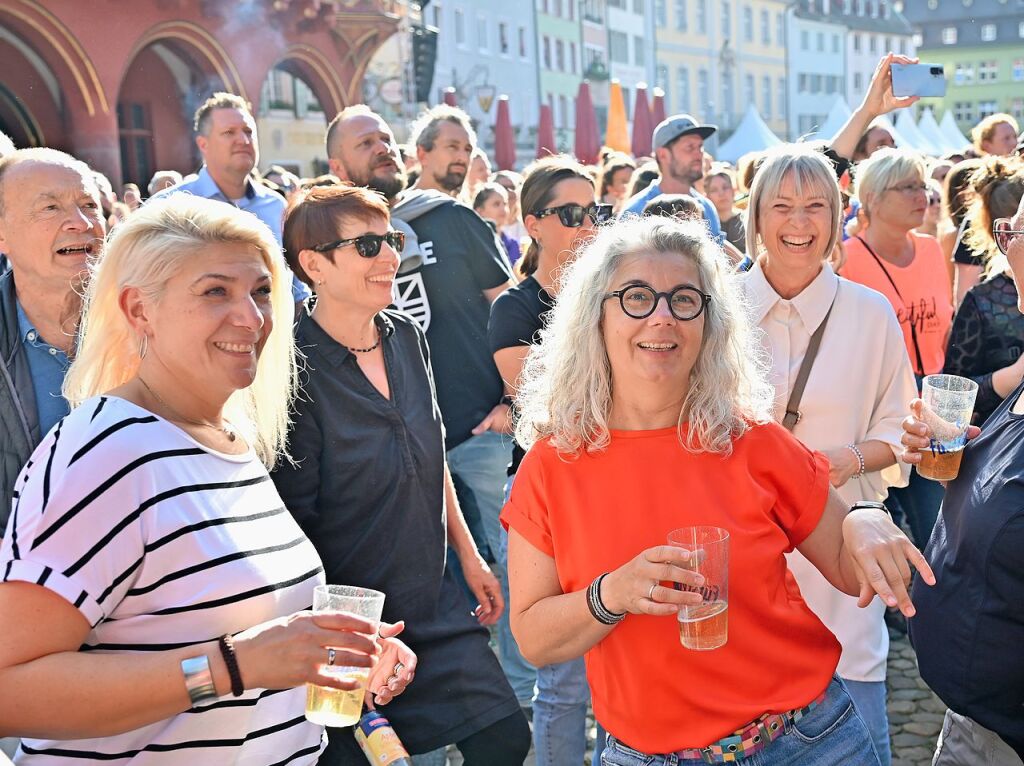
(952, 132)
(751, 135)
(897, 137)
(929, 128)
(837, 117)
(917, 140)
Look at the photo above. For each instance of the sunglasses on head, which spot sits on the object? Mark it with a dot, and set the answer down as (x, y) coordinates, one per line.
(573, 216)
(367, 245)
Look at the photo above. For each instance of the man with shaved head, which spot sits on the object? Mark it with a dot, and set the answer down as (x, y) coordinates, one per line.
(50, 223)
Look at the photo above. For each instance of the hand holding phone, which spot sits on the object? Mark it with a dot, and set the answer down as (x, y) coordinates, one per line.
(924, 80)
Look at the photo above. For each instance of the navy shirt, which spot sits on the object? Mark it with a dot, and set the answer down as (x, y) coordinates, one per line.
(47, 365)
(969, 627)
(367, 487)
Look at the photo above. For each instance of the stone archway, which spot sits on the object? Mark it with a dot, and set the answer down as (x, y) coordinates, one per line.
(172, 69)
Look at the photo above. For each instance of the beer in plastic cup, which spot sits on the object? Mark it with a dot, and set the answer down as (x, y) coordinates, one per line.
(947, 410)
(705, 625)
(335, 707)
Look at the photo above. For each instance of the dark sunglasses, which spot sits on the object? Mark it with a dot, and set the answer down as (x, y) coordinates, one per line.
(1003, 234)
(640, 301)
(572, 216)
(368, 245)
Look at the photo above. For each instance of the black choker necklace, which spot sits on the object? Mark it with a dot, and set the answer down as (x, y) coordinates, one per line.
(365, 350)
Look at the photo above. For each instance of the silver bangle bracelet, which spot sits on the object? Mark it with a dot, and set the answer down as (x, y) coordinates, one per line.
(198, 679)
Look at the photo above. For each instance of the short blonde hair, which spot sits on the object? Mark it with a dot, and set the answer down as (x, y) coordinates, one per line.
(146, 252)
(809, 169)
(886, 167)
(565, 393)
(985, 129)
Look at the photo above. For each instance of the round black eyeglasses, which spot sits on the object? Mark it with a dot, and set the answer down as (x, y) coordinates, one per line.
(368, 245)
(572, 216)
(640, 301)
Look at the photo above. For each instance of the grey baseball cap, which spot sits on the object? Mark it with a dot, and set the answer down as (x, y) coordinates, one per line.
(678, 125)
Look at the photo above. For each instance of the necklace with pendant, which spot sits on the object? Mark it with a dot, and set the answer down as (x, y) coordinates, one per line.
(226, 430)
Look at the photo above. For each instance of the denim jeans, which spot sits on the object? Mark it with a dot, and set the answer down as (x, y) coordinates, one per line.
(560, 714)
(478, 467)
(521, 675)
(832, 733)
(869, 698)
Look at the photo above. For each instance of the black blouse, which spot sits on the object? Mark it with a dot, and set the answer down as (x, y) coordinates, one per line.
(987, 335)
(367, 487)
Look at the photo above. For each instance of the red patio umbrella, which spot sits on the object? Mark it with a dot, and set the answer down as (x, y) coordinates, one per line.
(546, 133)
(658, 107)
(504, 138)
(449, 97)
(642, 128)
(588, 140)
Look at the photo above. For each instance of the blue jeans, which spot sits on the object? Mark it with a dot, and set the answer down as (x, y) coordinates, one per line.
(869, 698)
(832, 733)
(521, 675)
(478, 467)
(560, 713)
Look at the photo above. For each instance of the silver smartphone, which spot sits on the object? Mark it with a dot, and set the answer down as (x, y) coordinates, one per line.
(925, 80)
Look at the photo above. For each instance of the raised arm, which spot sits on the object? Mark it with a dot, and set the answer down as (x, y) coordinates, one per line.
(878, 100)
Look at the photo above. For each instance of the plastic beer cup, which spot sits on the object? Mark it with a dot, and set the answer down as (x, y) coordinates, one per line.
(705, 625)
(335, 707)
(948, 406)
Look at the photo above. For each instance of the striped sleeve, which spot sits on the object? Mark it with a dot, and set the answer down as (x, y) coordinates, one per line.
(76, 526)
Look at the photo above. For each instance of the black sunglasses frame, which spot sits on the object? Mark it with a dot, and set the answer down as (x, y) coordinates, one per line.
(705, 299)
(367, 245)
(598, 213)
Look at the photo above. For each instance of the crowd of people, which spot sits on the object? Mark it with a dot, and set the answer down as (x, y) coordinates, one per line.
(463, 388)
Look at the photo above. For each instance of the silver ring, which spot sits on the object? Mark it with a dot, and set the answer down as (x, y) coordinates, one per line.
(330, 656)
(398, 669)
(650, 593)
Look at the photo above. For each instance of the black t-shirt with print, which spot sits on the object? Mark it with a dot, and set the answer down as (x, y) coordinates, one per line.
(461, 258)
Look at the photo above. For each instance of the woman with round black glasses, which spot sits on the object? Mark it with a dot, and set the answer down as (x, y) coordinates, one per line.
(370, 487)
(559, 214)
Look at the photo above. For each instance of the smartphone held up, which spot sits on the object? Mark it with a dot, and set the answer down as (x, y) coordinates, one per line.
(924, 80)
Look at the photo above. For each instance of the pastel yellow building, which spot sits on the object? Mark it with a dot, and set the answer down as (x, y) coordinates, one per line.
(717, 57)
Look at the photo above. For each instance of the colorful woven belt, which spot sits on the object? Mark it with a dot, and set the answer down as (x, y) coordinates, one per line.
(749, 739)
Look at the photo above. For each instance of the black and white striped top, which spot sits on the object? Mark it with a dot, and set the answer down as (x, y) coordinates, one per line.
(162, 543)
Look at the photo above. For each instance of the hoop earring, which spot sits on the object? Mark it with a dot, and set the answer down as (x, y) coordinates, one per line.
(143, 346)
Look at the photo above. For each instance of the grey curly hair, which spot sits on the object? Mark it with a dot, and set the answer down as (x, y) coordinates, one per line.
(565, 393)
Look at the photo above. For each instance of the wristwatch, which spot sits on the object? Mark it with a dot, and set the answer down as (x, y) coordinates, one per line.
(198, 679)
(873, 505)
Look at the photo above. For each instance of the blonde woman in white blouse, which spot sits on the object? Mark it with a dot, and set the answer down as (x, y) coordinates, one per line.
(855, 395)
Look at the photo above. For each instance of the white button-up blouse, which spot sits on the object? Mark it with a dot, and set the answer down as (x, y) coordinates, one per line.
(858, 390)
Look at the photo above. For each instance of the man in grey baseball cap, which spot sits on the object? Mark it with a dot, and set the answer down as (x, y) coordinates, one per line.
(679, 151)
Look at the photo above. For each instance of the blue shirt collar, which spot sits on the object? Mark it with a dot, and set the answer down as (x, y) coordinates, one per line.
(205, 186)
(25, 325)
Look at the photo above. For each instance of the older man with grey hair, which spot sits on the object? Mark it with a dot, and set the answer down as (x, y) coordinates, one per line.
(50, 224)
(163, 179)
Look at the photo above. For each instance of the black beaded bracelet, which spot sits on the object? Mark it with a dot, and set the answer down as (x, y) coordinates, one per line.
(227, 650)
(598, 610)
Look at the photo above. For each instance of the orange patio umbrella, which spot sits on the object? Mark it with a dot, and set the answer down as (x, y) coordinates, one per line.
(616, 135)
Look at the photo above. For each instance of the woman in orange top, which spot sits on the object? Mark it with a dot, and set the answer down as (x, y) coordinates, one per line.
(909, 269)
(645, 415)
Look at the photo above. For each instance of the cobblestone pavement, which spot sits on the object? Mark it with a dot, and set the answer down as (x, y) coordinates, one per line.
(915, 713)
